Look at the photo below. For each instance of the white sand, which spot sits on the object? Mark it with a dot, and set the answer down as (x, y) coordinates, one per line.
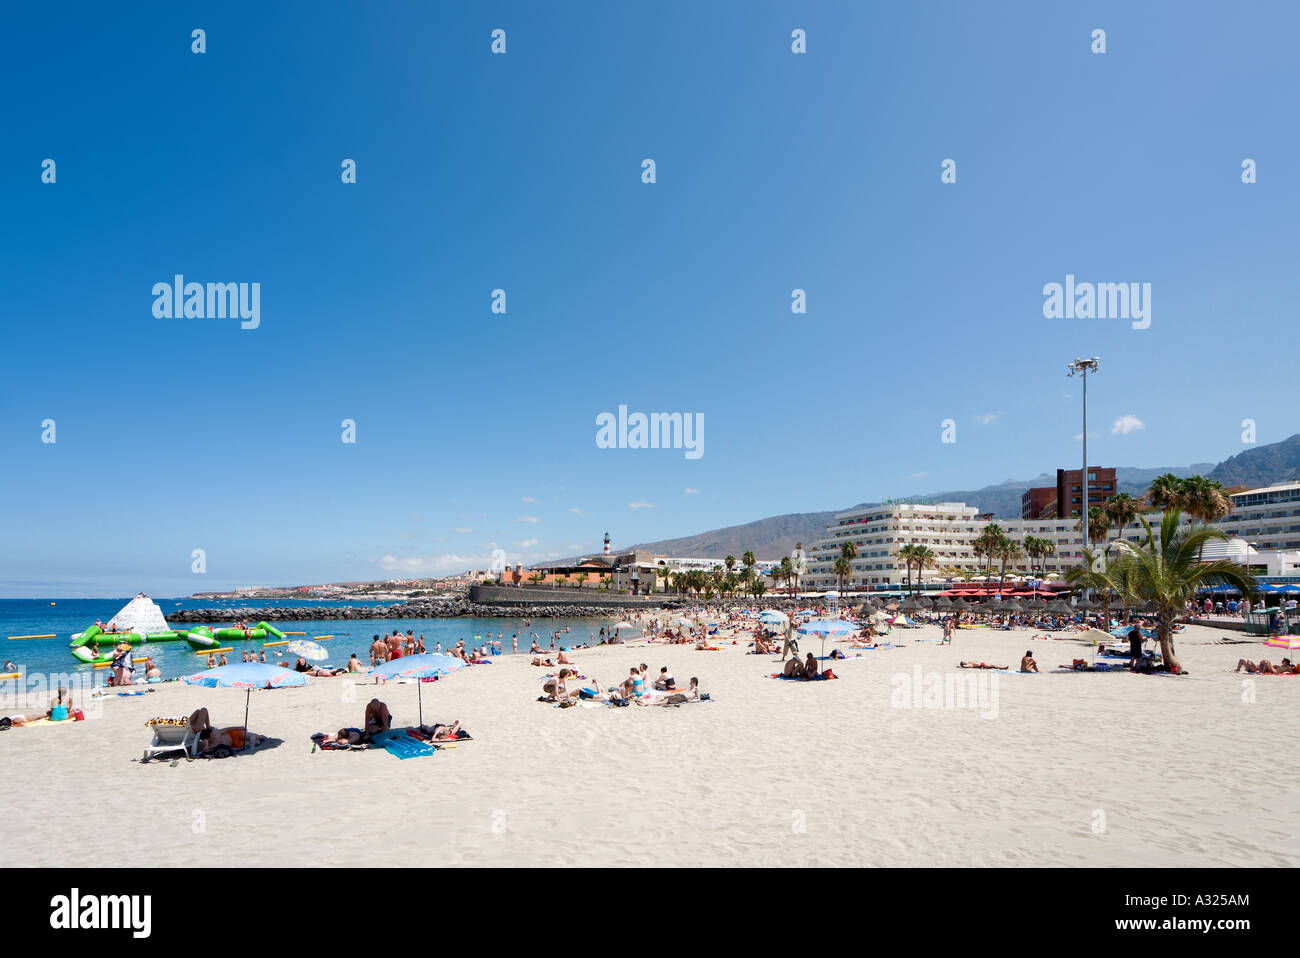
(1073, 770)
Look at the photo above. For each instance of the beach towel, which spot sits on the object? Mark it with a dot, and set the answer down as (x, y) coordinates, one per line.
(398, 742)
(801, 678)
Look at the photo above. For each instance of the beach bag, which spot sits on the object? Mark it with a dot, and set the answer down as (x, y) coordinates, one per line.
(828, 674)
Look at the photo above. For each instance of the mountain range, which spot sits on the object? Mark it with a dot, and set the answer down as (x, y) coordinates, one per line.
(775, 536)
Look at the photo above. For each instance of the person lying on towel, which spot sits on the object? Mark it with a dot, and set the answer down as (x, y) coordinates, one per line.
(677, 698)
(981, 665)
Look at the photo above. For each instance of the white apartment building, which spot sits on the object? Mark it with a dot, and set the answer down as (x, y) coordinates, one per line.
(1268, 519)
(949, 529)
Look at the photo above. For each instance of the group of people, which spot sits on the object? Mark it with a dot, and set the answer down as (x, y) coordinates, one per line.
(122, 667)
(378, 719)
(638, 687)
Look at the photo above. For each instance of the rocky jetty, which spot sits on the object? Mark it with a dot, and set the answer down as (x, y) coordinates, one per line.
(419, 609)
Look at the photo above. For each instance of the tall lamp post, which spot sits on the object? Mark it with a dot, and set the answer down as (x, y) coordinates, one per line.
(1083, 367)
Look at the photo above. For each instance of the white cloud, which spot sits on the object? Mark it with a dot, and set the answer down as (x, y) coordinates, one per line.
(691, 492)
(641, 505)
(918, 475)
(576, 511)
(532, 519)
(527, 543)
(1126, 424)
(445, 564)
(464, 530)
(985, 418)
(529, 499)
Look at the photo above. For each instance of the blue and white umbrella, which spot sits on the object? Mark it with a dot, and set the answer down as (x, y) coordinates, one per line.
(772, 617)
(825, 627)
(308, 650)
(248, 676)
(431, 665)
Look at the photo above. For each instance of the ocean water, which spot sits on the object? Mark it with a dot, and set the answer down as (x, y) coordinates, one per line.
(67, 617)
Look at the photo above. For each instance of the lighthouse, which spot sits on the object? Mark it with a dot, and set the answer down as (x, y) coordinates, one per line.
(606, 543)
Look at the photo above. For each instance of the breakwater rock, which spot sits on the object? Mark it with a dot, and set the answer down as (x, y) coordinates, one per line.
(420, 609)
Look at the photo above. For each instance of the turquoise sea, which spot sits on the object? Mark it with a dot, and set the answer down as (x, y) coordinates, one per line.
(66, 617)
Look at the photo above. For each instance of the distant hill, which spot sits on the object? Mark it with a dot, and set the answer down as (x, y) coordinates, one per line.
(1262, 465)
(774, 537)
(769, 538)
(1003, 499)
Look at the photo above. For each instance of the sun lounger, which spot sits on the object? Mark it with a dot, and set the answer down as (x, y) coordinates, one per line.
(172, 738)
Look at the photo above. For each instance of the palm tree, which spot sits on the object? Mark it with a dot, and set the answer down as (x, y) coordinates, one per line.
(1166, 492)
(1169, 572)
(795, 567)
(1121, 509)
(1007, 551)
(1094, 574)
(1098, 524)
(758, 588)
(581, 577)
(923, 556)
(730, 562)
(907, 554)
(843, 568)
(748, 560)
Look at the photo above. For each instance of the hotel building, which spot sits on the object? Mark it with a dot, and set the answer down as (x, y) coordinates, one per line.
(949, 529)
(1264, 522)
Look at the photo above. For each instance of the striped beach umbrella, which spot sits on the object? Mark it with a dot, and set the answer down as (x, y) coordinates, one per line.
(1283, 641)
(308, 650)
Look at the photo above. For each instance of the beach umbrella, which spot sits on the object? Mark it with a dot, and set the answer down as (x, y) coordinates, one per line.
(308, 650)
(418, 667)
(772, 617)
(825, 627)
(248, 676)
(1284, 641)
(908, 605)
(1036, 604)
(943, 604)
(1009, 605)
(1059, 607)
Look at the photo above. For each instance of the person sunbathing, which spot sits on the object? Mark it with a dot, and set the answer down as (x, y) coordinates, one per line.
(793, 669)
(665, 682)
(761, 647)
(677, 698)
(1265, 667)
(1027, 664)
(981, 665)
(562, 659)
(354, 663)
(538, 660)
(616, 694)
(350, 736)
(554, 690)
(377, 718)
(441, 733)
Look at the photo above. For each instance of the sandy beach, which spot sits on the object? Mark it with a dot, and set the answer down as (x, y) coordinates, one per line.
(1049, 769)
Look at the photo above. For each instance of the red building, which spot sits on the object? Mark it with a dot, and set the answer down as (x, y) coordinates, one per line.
(1065, 499)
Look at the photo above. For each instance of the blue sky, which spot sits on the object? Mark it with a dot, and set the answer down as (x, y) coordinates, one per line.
(775, 171)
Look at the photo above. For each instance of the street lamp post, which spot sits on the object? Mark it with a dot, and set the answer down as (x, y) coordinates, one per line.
(1083, 366)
